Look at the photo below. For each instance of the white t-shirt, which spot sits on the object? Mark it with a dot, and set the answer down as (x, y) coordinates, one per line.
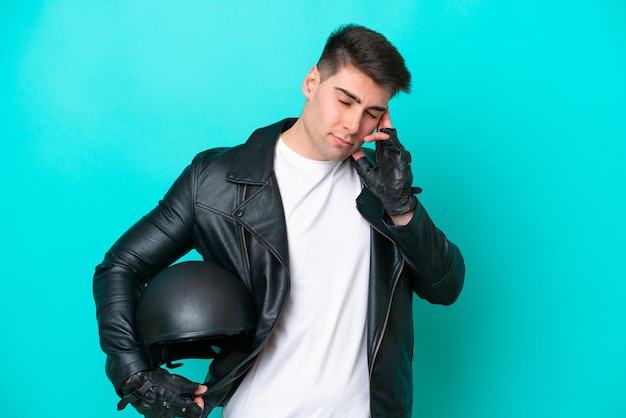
(315, 363)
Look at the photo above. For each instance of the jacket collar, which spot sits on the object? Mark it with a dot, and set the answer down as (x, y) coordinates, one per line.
(255, 162)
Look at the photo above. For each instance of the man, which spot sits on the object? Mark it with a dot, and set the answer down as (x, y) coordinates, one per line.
(331, 242)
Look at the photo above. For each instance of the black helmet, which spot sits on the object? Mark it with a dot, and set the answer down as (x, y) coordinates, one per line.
(190, 309)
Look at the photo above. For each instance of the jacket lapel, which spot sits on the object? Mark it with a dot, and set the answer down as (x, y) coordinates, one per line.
(260, 210)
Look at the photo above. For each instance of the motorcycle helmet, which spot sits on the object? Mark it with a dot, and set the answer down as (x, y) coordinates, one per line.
(192, 309)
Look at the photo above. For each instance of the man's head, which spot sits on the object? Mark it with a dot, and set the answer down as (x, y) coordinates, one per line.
(347, 94)
(367, 51)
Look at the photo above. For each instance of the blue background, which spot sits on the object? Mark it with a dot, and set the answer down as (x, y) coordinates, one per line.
(517, 125)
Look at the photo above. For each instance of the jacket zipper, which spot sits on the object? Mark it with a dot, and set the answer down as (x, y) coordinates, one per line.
(258, 350)
(387, 313)
(243, 237)
(384, 328)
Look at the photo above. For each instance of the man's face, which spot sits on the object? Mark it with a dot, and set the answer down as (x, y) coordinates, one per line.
(339, 112)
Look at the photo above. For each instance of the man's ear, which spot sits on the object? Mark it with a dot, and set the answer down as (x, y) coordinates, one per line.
(311, 81)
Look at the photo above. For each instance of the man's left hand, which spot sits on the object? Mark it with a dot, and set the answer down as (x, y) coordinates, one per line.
(391, 179)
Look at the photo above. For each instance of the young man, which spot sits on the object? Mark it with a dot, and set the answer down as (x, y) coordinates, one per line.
(331, 242)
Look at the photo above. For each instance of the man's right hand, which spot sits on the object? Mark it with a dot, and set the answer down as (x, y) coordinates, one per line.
(159, 394)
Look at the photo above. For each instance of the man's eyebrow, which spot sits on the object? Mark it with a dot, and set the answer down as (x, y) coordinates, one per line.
(358, 100)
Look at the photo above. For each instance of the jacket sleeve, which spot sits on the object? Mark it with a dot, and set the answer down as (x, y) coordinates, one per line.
(436, 264)
(154, 242)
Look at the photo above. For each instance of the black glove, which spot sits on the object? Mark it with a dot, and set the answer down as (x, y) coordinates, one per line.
(159, 394)
(391, 179)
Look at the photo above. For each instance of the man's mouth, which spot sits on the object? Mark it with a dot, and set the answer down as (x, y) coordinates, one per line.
(342, 141)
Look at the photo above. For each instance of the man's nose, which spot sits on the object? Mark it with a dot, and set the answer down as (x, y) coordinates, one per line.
(351, 122)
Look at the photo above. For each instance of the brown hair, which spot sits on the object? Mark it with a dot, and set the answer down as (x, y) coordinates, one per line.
(367, 51)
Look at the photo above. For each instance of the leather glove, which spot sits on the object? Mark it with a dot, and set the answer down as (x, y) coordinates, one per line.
(391, 179)
(159, 394)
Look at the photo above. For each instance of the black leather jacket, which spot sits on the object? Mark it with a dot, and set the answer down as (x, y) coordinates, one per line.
(227, 206)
